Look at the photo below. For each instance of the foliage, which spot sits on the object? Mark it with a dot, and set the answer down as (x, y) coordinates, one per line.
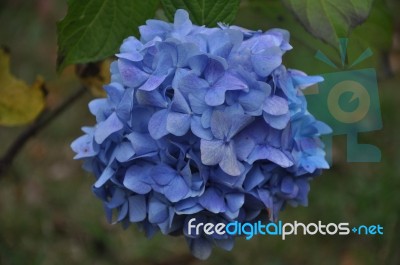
(92, 30)
(19, 103)
(204, 12)
(330, 19)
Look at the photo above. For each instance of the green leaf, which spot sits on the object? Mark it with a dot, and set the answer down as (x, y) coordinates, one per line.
(204, 12)
(330, 19)
(273, 14)
(94, 29)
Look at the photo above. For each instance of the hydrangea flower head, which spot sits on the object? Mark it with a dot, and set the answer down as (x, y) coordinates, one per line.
(202, 123)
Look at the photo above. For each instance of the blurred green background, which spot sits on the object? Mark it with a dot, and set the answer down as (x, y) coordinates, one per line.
(48, 214)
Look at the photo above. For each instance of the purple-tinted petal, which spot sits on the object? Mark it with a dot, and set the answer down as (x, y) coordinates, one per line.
(83, 147)
(131, 75)
(277, 122)
(276, 105)
(214, 70)
(153, 82)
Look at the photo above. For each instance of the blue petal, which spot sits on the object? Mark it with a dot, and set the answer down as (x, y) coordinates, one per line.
(179, 103)
(188, 206)
(211, 152)
(163, 175)
(138, 179)
(220, 124)
(176, 190)
(130, 74)
(107, 173)
(214, 70)
(212, 200)
(124, 108)
(97, 107)
(153, 28)
(151, 98)
(153, 82)
(272, 154)
(106, 128)
(84, 147)
(198, 63)
(234, 201)
(115, 92)
(199, 130)
(142, 143)
(117, 199)
(287, 185)
(266, 61)
(191, 83)
(137, 208)
(266, 198)
(276, 105)
(216, 93)
(229, 163)
(197, 103)
(158, 212)
(226, 244)
(123, 211)
(254, 178)
(178, 124)
(200, 248)
(124, 151)
(182, 23)
(158, 124)
(277, 122)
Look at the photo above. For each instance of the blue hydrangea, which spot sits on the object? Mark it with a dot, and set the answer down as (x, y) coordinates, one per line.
(202, 122)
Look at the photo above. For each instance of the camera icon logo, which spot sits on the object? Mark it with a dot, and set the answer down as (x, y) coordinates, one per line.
(348, 101)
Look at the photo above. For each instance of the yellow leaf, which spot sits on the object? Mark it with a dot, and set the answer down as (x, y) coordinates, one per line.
(19, 103)
(94, 76)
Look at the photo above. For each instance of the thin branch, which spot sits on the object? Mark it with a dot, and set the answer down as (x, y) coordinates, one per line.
(44, 119)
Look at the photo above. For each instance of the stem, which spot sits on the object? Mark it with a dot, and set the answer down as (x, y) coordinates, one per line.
(44, 119)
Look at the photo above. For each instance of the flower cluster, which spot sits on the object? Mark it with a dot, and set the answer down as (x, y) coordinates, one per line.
(201, 122)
